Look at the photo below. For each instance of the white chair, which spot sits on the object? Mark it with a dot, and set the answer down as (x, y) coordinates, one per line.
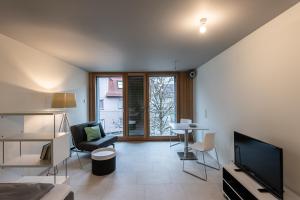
(179, 133)
(207, 145)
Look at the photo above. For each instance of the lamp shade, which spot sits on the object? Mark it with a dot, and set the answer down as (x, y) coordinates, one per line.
(63, 100)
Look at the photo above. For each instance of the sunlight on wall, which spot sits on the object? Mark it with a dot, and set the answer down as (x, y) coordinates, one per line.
(28, 78)
(30, 69)
(46, 76)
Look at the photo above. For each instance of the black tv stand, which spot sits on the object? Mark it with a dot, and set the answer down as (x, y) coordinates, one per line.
(262, 190)
(238, 170)
(237, 185)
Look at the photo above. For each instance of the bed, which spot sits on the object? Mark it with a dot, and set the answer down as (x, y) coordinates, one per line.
(59, 192)
(35, 191)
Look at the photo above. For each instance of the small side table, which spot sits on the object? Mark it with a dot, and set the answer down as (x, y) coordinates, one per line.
(103, 161)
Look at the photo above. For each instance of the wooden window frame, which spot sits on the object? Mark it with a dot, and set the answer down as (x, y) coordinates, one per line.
(184, 100)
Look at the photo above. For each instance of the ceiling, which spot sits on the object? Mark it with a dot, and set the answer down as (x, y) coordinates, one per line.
(134, 35)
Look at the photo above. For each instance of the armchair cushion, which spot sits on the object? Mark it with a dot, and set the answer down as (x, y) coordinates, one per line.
(92, 133)
(95, 144)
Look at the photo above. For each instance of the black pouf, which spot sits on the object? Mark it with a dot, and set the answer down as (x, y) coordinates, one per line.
(103, 161)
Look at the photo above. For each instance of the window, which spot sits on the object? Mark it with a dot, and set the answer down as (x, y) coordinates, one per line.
(110, 104)
(162, 104)
(101, 104)
(145, 109)
(102, 121)
(120, 84)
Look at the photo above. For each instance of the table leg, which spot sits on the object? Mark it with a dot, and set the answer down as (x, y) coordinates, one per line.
(186, 140)
(186, 155)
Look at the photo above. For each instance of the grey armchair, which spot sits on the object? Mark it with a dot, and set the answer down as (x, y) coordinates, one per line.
(80, 140)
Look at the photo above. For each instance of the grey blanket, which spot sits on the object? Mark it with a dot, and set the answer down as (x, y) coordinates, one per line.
(24, 191)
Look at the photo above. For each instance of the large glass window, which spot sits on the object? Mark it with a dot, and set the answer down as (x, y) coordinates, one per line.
(110, 104)
(162, 104)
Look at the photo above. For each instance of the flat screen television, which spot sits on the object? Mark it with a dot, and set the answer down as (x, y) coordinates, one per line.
(261, 161)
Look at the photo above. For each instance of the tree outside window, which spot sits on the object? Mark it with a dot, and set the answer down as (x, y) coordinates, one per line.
(162, 104)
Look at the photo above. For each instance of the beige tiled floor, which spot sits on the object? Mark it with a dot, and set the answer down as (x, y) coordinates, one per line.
(149, 170)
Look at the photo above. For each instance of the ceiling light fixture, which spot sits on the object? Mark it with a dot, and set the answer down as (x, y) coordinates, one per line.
(203, 28)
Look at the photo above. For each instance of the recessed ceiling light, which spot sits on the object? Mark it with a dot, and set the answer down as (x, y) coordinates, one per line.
(203, 28)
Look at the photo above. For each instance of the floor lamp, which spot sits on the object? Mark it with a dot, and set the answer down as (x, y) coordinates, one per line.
(62, 101)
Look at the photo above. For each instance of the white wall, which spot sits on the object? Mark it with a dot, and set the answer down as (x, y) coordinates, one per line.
(27, 79)
(254, 87)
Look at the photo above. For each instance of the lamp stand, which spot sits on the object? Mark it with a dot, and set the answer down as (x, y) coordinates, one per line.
(64, 124)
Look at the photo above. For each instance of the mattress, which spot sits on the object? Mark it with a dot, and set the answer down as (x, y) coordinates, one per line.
(28, 191)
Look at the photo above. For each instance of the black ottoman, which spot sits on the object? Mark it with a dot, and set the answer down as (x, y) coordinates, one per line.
(103, 161)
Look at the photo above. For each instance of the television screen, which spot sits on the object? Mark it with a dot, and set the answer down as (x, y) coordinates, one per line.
(260, 160)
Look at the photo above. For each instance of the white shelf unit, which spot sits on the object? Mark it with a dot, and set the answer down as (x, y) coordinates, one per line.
(43, 179)
(59, 145)
(29, 160)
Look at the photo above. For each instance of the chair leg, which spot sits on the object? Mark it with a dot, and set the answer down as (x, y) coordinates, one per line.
(212, 167)
(71, 151)
(193, 135)
(204, 166)
(174, 143)
(79, 160)
(204, 179)
(217, 159)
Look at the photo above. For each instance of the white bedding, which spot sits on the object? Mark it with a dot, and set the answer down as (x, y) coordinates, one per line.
(59, 192)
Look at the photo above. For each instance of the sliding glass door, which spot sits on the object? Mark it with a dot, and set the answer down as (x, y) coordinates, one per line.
(136, 105)
(162, 104)
(109, 104)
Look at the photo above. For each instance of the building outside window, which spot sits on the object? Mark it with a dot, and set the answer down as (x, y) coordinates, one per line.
(120, 84)
(110, 108)
(102, 121)
(101, 104)
(120, 103)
